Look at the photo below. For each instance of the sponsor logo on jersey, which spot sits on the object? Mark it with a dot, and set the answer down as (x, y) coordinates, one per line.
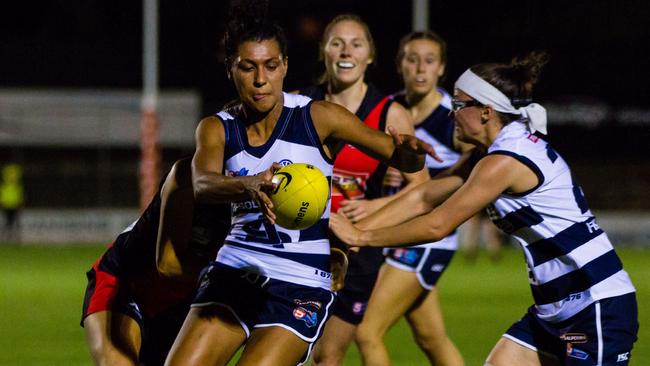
(309, 317)
(406, 256)
(241, 173)
(303, 303)
(533, 138)
(243, 207)
(574, 337)
(576, 353)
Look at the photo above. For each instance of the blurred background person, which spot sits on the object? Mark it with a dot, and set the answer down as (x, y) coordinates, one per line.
(407, 280)
(347, 49)
(11, 199)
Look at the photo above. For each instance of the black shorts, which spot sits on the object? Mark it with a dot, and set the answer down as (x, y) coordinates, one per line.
(352, 300)
(159, 325)
(159, 334)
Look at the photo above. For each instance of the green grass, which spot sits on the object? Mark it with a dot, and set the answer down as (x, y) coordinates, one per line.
(41, 291)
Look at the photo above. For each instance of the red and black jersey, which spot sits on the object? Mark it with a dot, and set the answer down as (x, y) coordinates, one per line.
(357, 175)
(128, 267)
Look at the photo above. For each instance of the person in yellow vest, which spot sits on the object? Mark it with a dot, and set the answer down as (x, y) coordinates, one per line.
(11, 199)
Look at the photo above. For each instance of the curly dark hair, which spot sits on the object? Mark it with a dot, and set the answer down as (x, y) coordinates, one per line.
(249, 21)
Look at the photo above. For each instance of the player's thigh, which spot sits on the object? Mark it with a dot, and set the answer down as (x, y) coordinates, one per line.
(113, 338)
(210, 335)
(394, 293)
(273, 346)
(507, 353)
(425, 316)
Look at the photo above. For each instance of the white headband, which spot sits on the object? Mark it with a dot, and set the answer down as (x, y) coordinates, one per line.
(487, 94)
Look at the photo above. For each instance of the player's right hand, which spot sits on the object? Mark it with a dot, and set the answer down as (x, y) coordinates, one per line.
(259, 187)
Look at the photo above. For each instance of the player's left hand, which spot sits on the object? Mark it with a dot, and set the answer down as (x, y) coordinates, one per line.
(412, 144)
(344, 229)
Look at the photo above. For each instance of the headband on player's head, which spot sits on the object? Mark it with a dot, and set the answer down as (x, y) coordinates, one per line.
(487, 94)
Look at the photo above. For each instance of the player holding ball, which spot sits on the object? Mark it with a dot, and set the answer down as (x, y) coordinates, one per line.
(269, 286)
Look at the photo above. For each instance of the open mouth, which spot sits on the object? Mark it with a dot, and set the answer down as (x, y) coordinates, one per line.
(345, 65)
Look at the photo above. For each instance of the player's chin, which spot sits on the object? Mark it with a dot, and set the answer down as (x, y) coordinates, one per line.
(264, 105)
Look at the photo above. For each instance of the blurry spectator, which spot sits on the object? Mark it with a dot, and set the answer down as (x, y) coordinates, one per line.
(11, 199)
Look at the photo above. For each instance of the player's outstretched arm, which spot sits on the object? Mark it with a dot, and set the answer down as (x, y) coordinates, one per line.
(335, 123)
(492, 176)
(421, 198)
(399, 119)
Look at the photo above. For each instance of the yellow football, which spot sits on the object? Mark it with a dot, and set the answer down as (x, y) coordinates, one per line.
(300, 195)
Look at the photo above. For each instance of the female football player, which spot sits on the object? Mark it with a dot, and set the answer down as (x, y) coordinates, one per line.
(585, 309)
(269, 287)
(347, 49)
(406, 283)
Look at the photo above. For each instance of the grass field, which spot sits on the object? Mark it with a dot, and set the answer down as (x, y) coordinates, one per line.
(41, 290)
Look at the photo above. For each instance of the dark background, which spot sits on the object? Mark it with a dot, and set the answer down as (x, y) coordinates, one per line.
(598, 49)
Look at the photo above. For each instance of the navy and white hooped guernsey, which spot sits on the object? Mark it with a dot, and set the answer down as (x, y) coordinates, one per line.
(571, 262)
(296, 256)
(437, 129)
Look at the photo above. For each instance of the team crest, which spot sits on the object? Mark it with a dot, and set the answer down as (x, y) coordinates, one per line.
(309, 317)
(285, 162)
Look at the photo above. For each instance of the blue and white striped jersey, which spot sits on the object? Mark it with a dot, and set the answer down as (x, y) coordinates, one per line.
(437, 129)
(571, 262)
(297, 256)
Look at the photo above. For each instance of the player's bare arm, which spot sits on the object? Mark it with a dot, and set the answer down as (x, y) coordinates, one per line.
(210, 185)
(492, 176)
(335, 123)
(399, 119)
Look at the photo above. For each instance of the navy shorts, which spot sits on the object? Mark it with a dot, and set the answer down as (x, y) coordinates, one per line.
(601, 334)
(257, 301)
(427, 263)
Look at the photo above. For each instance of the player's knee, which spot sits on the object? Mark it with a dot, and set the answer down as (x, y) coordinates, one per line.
(327, 355)
(104, 353)
(328, 359)
(368, 335)
(429, 340)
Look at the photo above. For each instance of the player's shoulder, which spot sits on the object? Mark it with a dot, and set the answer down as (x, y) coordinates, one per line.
(296, 100)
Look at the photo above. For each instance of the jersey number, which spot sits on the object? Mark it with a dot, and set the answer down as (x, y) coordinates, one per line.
(261, 231)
